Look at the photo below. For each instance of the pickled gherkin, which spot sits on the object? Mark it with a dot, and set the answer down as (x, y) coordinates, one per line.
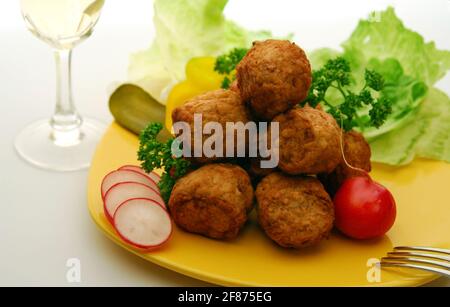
(133, 108)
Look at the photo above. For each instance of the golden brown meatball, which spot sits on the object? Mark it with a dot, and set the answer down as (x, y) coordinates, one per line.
(255, 171)
(357, 153)
(273, 77)
(295, 212)
(308, 142)
(234, 87)
(213, 201)
(220, 106)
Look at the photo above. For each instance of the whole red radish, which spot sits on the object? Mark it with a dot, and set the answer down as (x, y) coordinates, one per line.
(364, 209)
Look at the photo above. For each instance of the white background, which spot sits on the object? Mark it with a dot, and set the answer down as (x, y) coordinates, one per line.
(44, 219)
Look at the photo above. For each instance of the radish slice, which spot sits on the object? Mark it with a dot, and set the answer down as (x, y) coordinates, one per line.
(154, 176)
(116, 177)
(143, 223)
(124, 191)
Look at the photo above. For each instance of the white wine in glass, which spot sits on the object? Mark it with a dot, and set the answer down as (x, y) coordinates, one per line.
(66, 141)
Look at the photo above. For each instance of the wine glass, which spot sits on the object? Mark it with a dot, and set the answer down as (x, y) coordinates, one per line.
(65, 142)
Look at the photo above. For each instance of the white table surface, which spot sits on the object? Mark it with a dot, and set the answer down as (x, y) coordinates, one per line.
(44, 219)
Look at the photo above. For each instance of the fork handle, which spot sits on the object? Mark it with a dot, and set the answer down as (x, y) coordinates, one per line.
(442, 272)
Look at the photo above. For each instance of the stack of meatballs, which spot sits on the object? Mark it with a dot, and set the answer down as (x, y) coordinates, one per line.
(293, 201)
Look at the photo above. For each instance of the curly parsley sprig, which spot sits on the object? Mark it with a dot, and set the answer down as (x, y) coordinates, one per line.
(336, 74)
(155, 154)
(226, 65)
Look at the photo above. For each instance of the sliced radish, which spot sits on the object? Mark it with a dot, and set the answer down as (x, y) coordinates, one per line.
(154, 176)
(132, 168)
(143, 223)
(124, 191)
(119, 176)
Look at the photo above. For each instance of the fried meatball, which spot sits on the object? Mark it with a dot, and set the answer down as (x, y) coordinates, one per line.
(234, 87)
(295, 212)
(308, 142)
(274, 76)
(357, 153)
(255, 171)
(213, 201)
(219, 106)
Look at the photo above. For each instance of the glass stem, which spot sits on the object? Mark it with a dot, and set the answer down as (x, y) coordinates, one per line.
(66, 121)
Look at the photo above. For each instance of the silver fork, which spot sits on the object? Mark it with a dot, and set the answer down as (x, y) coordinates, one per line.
(436, 260)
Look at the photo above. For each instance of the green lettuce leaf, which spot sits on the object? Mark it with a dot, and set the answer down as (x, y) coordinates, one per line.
(320, 57)
(386, 37)
(185, 29)
(435, 143)
(147, 70)
(405, 92)
(427, 136)
(419, 125)
(409, 65)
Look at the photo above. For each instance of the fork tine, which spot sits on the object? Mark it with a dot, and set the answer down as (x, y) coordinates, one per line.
(422, 249)
(421, 258)
(416, 260)
(415, 266)
(419, 254)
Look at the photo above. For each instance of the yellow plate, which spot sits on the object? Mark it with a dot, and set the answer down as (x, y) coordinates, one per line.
(421, 191)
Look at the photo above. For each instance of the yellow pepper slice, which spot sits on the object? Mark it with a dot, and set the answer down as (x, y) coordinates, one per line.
(200, 78)
(200, 71)
(180, 93)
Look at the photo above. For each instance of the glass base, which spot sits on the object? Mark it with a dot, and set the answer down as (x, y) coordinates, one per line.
(62, 151)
